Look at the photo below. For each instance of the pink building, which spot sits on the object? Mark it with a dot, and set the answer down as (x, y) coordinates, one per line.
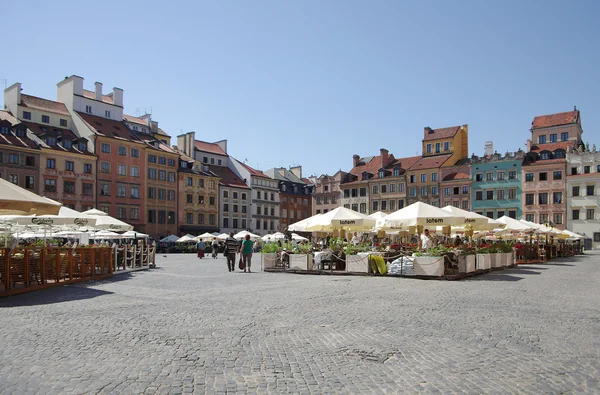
(545, 167)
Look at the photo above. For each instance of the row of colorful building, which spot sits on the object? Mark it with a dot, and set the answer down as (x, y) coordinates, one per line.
(85, 151)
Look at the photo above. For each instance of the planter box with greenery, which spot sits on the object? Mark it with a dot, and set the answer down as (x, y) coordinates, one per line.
(269, 255)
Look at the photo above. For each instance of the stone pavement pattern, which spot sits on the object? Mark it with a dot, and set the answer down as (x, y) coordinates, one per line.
(192, 327)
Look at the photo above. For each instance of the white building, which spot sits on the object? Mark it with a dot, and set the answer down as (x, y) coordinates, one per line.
(583, 193)
(265, 198)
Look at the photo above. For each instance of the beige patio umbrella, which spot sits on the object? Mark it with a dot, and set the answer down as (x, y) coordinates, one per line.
(206, 237)
(105, 221)
(242, 234)
(300, 226)
(15, 200)
(340, 218)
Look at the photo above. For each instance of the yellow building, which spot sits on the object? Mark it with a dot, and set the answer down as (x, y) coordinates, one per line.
(441, 148)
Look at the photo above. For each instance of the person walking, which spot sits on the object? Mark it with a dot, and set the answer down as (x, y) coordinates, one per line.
(247, 253)
(231, 247)
(215, 248)
(200, 248)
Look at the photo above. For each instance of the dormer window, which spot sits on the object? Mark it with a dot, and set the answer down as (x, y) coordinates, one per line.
(559, 154)
(396, 171)
(381, 174)
(5, 130)
(82, 145)
(51, 141)
(67, 143)
(20, 132)
(545, 155)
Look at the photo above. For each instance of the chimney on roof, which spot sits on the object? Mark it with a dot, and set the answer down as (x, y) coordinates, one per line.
(529, 144)
(574, 108)
(428, 130)
(98, 90)
(297, 171)
(489, 148)
(118, 97)
(355, 160)
(385, 157)
(12, 97)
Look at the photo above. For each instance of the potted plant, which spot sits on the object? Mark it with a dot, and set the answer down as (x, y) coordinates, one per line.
(430, 262)
(269, 253)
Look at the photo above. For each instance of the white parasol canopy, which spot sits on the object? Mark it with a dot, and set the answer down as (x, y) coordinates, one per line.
(186, 239)
(131, 234)
(273, 237)
(222, 236)
(169, 239)
(19, 201)
(300, 226)
(477, 221)
(206, 237)
(340, 218)
(297, 237)
(513, 225)
(105, 221)
(105, 234)
(573, 235)
(243, 233)
(423, 214)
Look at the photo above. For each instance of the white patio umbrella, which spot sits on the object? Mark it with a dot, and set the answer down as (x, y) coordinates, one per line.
(105, 235)
(340, 218)
(300, 226)
(50, 220)
(273, 237)
(477, 221)
(186, 239)
(206, 237)
(297, 237)
(169, 239)
(222, 236)
(131, 234)
(20, 201)
(515, 226)
(573, 235)
(242, 234)
(421, 214)
(105, 221)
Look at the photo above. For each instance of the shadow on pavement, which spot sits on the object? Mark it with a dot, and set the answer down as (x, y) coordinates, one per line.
(524, 271)
(65, 293)
(558, 264)
(495, 277)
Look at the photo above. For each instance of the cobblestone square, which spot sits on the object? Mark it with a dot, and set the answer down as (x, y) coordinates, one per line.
(190, 326)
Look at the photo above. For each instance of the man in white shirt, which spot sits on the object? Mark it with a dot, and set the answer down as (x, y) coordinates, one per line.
(426, 242)
(356, 239)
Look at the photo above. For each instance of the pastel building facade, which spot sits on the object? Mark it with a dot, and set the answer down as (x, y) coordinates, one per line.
(455, 187)
(265, 201)
(545, 166)
(19, 154)
(198, 198)
(327, 192)
(295, 194)
(583, 193)
(497, 185)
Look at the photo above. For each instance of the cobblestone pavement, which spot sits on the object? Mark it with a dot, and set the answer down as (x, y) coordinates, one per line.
(190, 326)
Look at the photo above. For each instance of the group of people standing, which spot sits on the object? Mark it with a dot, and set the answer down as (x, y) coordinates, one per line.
(232, 248)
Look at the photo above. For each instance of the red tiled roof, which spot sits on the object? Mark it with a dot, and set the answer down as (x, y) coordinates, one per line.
(442, 133)
(92, 95)
(209, 147)
(108, 127)
(41, 130)
(565, 145)
(406, 163)
(137, 120)
(307, 181)
(37, 103)
(456, 176)
(162, 132)
(561, 118)
(254, 172)
(430, 162)
(11, 139)
(228, 178)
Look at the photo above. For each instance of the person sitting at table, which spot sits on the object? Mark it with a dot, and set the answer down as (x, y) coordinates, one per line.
(426, 240)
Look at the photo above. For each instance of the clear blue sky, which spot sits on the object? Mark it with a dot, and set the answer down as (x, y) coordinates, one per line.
(314, 82)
